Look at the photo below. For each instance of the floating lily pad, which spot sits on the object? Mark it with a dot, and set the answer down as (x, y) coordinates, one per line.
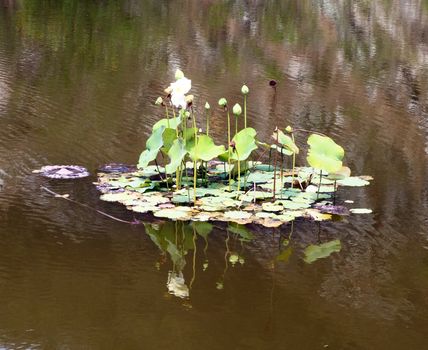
(353, 181)
(272, 207)
(63, 171)
(317, 215)
(177, 213)
(361, 211)
(237, 214)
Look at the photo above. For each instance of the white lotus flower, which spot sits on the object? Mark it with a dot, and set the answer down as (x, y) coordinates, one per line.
(178, 91)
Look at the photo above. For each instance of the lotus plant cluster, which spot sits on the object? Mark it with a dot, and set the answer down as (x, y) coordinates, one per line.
(187, 151)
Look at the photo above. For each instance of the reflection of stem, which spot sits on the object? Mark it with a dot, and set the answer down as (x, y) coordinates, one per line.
(294, 163)
(228, 147)
(226, 254)
(194, 258)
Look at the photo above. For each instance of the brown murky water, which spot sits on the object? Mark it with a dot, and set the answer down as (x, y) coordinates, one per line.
(77, 85)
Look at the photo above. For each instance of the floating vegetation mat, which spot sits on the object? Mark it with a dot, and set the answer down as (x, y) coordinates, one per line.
(305, 195)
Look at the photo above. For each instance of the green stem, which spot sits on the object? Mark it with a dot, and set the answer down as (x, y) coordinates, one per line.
(195, 161)
(319, 185)
(236, 125)
(245, 111)
(167, 114)
(208, 123)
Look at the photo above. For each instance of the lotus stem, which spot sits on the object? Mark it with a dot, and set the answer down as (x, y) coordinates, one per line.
(294, 163)
(167, 114)
(236, 125)
(319, 185)
(275, 164)
(281, 174)
(208, 122)
(245, 111)
(334, 193)
(195, 172)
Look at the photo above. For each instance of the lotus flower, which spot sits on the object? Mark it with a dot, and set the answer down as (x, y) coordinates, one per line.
(179, 89)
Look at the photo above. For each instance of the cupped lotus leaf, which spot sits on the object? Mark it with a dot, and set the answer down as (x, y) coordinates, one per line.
(353, 181)
(272, 207)
(171, 123)
(316, 215)
(169, 135)
(176, 155)
(282, 150)
(315, 252)
(153, 145)
(343, 173)
(286, 141)
(245, 144)
(324, 154)
(361, 211)
(205, 149)
(237, 215)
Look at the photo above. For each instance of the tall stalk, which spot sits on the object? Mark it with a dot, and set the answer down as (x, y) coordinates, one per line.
(228, 143)
(195, 161)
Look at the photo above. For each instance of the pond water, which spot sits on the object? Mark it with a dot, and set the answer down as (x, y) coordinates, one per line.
(77, 84)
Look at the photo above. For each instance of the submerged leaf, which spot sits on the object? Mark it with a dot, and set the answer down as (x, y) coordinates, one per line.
(315, 252)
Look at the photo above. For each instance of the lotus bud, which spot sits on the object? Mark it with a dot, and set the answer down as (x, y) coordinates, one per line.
(207, 105)
(222, 102)
(189, 99)
(289, 129)
(187, 114)
(237, 110)
(245, 90)
(159, 101)
(179, 74)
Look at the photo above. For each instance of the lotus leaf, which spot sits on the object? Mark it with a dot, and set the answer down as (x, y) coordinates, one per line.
(317, 215)
(341, 174)
(176, 154)
(272, 207)
(205, 149)
(153, 145)
(237, 215)
(245, 143)
(172, 122)
(353, 181)
(324, 154)
(259, 177)
(241, 231)
(286, 141)
(288, 204)
(177, 213)
(168, 137)
(315, 252)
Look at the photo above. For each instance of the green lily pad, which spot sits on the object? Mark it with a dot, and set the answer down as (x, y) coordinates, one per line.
(315, 252)
(272, 207)
(353, 181)
(237, 214)
(177, 213)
